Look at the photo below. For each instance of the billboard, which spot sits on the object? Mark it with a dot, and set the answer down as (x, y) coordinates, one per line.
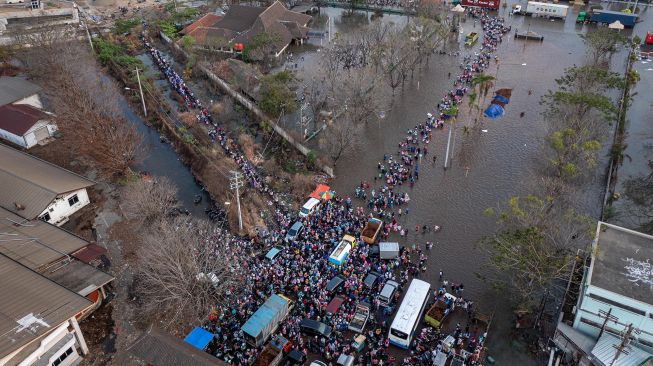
(490, 4)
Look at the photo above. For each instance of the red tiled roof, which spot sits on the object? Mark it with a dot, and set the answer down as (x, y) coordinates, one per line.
(19, 118)
(206, 21)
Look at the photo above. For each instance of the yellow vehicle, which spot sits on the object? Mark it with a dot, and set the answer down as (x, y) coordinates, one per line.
(471, 39)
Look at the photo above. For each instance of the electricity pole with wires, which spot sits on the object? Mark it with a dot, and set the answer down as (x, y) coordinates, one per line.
(236, 183)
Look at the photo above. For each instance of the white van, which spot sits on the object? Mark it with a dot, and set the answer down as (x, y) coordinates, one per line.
(14, 1)
(309, 207)
(388, 293)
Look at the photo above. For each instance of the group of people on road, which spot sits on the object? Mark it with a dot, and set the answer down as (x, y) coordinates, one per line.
(303, 270)
(219, 134)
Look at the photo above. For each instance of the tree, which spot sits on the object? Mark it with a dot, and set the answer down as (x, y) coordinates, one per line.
(186, 267)
(276, 96)
(342, 137)
(262, 48)
(601, 44)
(485, 83)
(85, 102)
(149, 201)
(533, 249)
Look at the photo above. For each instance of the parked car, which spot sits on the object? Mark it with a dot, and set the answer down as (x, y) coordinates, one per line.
(295, 230)
(387, 293)
(313, 327)
(309, 207)
(334, 284)
(371, 279)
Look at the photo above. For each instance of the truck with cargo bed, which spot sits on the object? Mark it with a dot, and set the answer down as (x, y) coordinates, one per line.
(371, 230)
(265, 321)
(436, 314)
(609, 16)
(360, 318)
(272, 354)
(538, 9)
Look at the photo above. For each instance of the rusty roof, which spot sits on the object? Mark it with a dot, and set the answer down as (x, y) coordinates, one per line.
(30, 184)
(208, 20)
(19, 118)
(31, 305)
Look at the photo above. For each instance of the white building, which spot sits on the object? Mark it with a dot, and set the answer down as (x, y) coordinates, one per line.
(33, 188)
(25, 125)
(620, 282)
(38, 319)
(615, 299)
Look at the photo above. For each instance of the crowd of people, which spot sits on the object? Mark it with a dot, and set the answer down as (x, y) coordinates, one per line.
(219, 134)
(302, 271)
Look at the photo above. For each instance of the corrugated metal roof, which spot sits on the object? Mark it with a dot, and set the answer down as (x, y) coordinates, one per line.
(13, 89)
(19, 118)
(31, 305)
(264, 315)
(30, 184)
(155, 347)
(35, 243)
(604, 353)
(77, 276)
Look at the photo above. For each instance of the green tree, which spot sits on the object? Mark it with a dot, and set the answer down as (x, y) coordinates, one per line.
(262, 48)
(485, 83)
(601, 44)
(534, 246)
(187, 42)
(276, 95)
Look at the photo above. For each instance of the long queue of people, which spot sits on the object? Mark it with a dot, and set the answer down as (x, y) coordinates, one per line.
(403, 169)
(220, 135)
(302, 271)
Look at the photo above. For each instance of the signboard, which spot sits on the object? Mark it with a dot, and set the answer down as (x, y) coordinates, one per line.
(490, 4)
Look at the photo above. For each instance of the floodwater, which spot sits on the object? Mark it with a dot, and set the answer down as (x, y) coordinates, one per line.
(487, 167)
(639, 143)
(160, 160)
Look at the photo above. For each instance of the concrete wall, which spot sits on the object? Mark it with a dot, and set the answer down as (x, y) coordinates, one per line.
(252, 107)
(60, 209)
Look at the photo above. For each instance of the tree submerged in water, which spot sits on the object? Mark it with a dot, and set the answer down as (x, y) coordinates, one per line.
(534, 248)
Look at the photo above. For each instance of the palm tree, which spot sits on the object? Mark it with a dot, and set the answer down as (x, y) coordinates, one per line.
(471, 100)
(452, 113)
(485, 83)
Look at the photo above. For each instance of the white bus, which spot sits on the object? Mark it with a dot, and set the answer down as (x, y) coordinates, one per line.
(409, 313)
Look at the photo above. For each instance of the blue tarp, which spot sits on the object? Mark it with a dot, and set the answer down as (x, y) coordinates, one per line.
(501, 99)
(493, 111)
(199, 338)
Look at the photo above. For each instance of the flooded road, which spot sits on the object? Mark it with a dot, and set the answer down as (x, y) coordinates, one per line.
(487, 168)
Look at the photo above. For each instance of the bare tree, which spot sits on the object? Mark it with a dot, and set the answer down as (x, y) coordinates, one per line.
(151, 200)
(343, 138)
(186, 267)
(85, 102)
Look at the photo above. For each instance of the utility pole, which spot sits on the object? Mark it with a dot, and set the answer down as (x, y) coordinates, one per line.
(140, 88)
(607, 316)
(446, 155)
(623, 346)
(236, 183)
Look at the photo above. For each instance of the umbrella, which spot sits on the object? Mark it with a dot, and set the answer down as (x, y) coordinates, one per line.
(458, 9)
(616, 25)
(327, 195)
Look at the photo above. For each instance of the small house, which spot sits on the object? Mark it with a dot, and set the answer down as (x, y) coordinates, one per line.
(25, 125)
(33, 188)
